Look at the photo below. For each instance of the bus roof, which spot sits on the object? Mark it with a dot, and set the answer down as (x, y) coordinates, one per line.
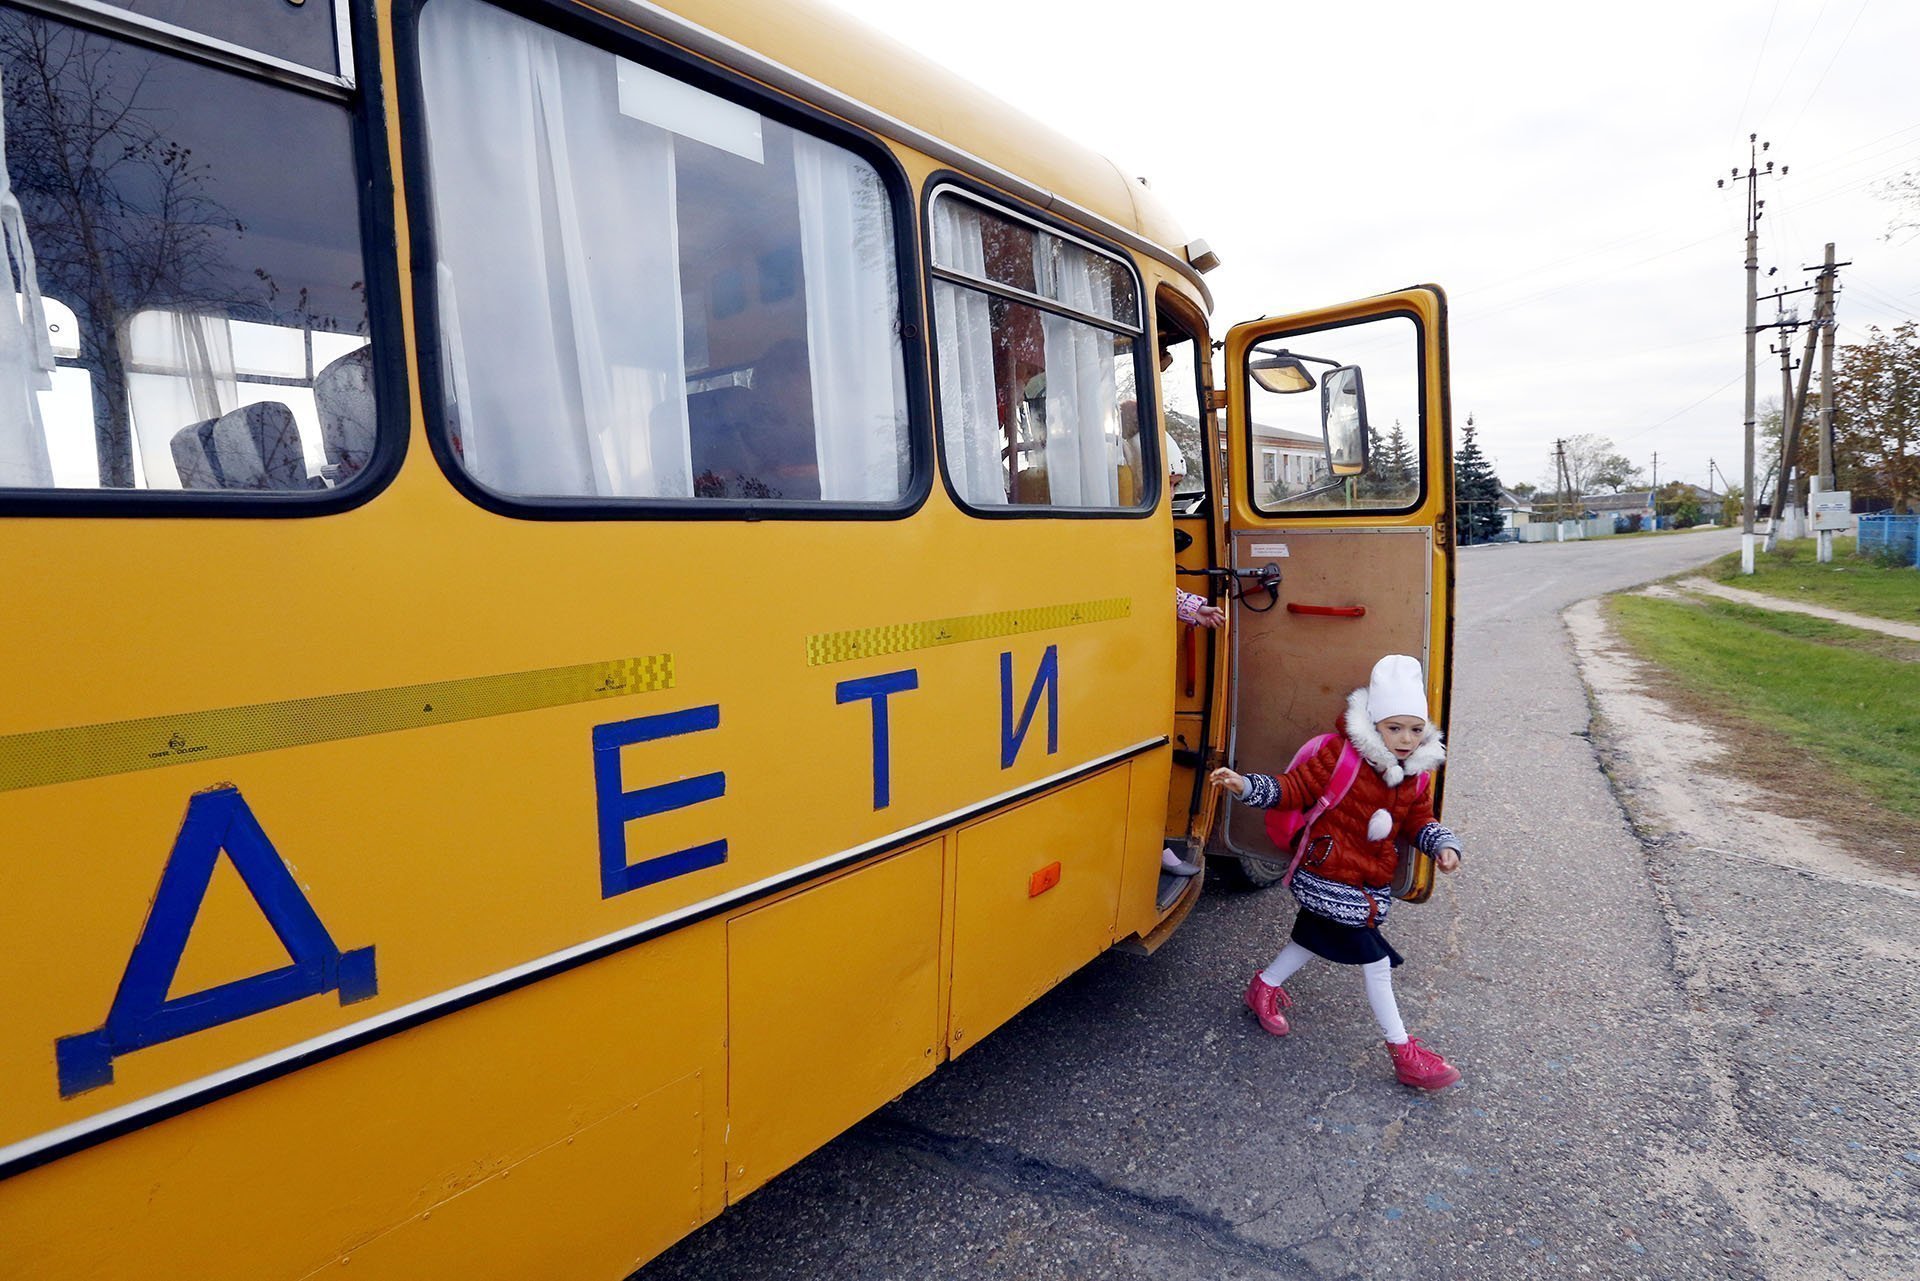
(843, 66)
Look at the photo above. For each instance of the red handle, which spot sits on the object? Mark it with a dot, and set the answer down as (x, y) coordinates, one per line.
(1328, 611)
(1188, 654)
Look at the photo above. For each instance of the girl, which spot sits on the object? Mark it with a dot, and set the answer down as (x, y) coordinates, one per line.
(1344, 882)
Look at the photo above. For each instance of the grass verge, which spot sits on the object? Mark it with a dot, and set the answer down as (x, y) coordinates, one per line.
(1852, 714)
(1847, 582)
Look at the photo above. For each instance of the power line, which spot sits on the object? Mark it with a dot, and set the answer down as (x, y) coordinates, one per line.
(1792, 66)
(1836, 57)
(1759, 58)
(1689, 409)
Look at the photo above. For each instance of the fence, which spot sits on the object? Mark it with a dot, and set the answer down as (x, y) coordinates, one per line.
(1547, 531)
(1894, 537)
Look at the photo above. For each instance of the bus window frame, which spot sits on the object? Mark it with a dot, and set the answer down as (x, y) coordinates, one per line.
(365, 107)
(130, 24)
(1153, 482)
(622, 40)
(1341, 513)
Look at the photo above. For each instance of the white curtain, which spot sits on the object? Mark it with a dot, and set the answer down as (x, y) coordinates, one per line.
(26, 355)
(963, 329)
(1082, 448)
(853, 309)
(181, 373)
(555, 217)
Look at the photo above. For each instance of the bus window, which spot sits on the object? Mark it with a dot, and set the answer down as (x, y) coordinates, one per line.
(203, 299)
(1302, 386)
(1180, 392)
(1035, 340)
(648, 291)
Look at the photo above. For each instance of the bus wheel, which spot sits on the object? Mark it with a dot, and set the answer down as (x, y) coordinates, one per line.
(1254, 873)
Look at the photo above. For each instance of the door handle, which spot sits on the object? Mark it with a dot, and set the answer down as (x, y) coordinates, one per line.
(1328, 611)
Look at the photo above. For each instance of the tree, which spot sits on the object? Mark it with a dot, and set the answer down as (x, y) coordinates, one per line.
(1523, 490)
(120, 213)
(1393, 473)
(1592, 464)
(1476, 490)
(1399, 461)
(1614, 472)
(1904, 190)
(1677, 506)
(1877, 416)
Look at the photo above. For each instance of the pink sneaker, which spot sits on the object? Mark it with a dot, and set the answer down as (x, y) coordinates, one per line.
(1266, 1001)
(1420, 1067)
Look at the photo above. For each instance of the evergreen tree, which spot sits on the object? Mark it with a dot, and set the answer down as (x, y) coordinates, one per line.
(1476, 490)
(1399, 463)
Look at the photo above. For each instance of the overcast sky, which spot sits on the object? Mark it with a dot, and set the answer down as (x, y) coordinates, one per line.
(1551, 166)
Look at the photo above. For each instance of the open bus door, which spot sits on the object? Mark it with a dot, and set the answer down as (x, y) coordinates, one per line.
(1340, 528)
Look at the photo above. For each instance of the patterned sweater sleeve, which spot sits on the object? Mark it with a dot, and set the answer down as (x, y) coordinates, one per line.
(1186, 606)
(1426, 833)
(1297, 789)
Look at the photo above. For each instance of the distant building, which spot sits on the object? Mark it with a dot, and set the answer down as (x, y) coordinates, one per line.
(1288, 459)
(1629, 503)
(1516, 513)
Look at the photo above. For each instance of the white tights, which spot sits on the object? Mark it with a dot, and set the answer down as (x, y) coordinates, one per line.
(1379, 980)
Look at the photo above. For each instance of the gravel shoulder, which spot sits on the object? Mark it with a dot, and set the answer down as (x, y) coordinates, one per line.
(1800, 963)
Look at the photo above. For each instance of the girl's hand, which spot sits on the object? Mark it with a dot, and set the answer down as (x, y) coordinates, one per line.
(1447, 860)
(1224, 777)
(1209, 616)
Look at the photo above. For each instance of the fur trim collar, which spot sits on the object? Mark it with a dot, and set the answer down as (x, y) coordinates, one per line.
(1373, 749)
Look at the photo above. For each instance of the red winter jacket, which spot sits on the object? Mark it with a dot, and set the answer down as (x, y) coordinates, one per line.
(1342, 848)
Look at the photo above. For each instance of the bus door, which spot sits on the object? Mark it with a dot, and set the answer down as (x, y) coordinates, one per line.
(1340, 524)
(1195, 461)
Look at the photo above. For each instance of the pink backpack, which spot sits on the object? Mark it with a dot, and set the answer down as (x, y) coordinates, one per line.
(1291, 829)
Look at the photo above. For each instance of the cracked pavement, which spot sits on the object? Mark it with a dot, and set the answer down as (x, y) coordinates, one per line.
(1677, 1064)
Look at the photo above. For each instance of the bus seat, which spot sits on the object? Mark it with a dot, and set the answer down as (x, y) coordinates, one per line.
(192, 449)
(258, 447)
(344, 393)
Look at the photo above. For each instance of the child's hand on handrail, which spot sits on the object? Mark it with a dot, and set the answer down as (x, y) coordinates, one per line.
(1224, 777)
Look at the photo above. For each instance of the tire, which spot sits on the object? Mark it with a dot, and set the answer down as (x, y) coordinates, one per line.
(1253, 873)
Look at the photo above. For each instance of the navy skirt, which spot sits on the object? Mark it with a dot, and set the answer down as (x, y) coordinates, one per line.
(1342, 944)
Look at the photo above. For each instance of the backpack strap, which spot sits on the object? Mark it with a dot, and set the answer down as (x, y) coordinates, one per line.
(1345, 770)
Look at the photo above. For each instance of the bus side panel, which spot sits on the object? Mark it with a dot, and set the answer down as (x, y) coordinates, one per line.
(1039, 887)
(572, 1128)
(833, 1002)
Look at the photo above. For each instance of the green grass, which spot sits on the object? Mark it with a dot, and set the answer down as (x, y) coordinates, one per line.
(1848, 582)
(1857, 712)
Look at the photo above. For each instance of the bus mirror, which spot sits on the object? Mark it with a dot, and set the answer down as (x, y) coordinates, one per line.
(1343, 420)
(1281, 372)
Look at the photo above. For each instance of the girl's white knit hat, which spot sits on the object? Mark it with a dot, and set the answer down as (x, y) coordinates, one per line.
(1397, 689)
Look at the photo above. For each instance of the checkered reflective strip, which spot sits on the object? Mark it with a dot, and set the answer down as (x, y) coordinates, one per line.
(824, 648)
(42, 757)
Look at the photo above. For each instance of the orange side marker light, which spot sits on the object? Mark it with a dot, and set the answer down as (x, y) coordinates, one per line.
(1043, 880)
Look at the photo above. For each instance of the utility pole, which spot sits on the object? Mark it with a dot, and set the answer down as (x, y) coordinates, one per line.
(1561, 483)
(1754, 207)
(1795, 407)
(1830, 276)
(1788, 322)
(1653, 495)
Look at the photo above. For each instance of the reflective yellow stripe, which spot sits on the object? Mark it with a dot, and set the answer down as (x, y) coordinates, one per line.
(46, 756)
(865, 642)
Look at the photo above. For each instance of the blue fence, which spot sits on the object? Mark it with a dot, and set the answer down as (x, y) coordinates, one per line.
(1895, 537)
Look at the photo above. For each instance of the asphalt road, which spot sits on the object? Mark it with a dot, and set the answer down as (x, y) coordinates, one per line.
(1677, 1064)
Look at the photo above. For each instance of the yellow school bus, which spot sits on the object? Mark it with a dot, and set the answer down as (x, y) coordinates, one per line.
(589, 598)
